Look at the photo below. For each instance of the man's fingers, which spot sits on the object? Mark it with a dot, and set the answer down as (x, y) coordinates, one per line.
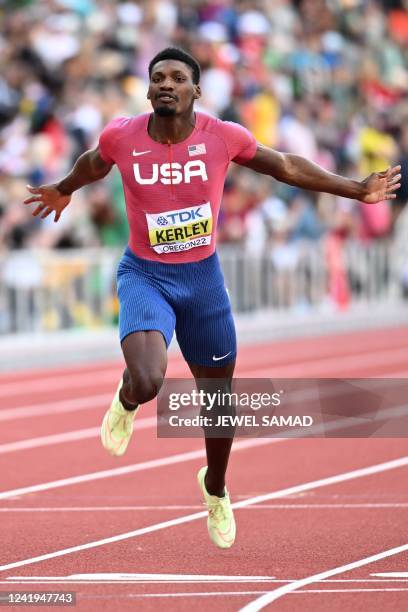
(389, 193)
(395, 170)
(57, 216)
(390, 172)
(32, 199)
(39, 209)
(394, 179)
(47, 212)
(33, 189)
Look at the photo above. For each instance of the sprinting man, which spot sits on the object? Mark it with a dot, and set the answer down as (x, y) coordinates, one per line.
(173, 163)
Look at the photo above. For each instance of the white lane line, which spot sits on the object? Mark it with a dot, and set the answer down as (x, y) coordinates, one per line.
(57, 407)
(65, 580)
(92, 402)
(383, 590)
(78, 379)
(130, 469)
(62, 382)
(357, 506)
(69, 436)
(73, 380)
(332, 365)
(359, 473)
(298, 397)
(268, 598)
(102, 508)
(147, 595)
(347, 422)
(392, 575)
(228, 593)
(144, 578)
(198, 507)
(52, 407)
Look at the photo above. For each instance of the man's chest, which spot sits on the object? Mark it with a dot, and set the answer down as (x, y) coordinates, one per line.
(153, 167)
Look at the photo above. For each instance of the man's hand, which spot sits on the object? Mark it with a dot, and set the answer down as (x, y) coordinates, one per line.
(300, 172)
(48, 199)
(381, 186)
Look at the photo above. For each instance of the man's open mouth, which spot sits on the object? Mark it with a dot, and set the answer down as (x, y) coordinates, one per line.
(166, 98)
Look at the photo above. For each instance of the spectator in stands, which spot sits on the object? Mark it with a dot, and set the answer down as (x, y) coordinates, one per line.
(296, 72)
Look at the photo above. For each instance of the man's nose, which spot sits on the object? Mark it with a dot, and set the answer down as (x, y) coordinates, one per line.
(166, 84)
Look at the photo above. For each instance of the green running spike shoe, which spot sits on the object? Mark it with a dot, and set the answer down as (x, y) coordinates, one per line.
(220, 523)
(117, 426)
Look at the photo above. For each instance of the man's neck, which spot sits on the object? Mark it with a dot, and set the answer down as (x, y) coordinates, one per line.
(171, 129)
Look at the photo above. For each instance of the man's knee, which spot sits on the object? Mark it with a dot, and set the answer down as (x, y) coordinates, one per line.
(141, 386)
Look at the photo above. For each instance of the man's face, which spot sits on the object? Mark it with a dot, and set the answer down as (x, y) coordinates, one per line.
(171, 89)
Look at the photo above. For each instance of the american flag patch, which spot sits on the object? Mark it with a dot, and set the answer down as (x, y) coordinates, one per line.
(196, 150)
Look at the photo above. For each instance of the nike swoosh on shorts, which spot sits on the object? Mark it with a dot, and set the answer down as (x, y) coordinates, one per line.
(219, 358)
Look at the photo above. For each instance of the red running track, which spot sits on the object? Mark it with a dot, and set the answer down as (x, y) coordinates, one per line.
(318, 519)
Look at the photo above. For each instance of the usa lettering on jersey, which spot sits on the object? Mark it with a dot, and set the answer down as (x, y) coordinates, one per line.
(174, 173)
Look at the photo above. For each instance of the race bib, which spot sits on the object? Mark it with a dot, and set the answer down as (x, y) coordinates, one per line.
(180, 230)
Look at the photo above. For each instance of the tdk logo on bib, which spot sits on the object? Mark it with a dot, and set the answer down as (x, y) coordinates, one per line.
(180, 230)
(174, 173)
(185, 215)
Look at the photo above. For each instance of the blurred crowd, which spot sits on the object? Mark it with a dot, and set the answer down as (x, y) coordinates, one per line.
(326, 79)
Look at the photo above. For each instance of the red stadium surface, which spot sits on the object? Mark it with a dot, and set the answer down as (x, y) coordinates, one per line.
(318, 519)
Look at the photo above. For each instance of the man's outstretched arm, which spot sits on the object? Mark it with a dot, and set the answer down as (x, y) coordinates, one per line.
(300, 172)
(88, 168)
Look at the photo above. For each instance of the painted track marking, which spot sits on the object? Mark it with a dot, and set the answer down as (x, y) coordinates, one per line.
(268, 598)
(392, 575)
(69, 436)
(130, 469)
(357, 506)
(359, 473)
(314, 429)
(67, 579)
(144, 578)
(319, 428)
(76, 378)
(231, 593)
(56, 407)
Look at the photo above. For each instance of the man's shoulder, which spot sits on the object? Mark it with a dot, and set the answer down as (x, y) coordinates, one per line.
(123, 124)
(118, 132)
(212, 127)
(207, 122)
(223, 129)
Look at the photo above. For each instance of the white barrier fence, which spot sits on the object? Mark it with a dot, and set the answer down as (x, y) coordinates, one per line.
(51, 290)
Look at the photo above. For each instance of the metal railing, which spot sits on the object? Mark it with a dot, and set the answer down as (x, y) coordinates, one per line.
(50, 290)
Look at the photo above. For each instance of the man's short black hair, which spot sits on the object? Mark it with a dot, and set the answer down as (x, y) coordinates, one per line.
(173, 53)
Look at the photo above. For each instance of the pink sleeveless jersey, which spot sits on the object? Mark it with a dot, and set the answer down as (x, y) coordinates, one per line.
(173, 192)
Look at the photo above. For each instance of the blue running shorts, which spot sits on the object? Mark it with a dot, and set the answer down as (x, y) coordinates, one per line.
(190, 299)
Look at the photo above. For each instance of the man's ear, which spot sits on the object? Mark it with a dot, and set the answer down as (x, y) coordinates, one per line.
(197, 92)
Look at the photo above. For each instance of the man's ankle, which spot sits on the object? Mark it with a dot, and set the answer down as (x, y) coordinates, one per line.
(216, 491)
(127, 405)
